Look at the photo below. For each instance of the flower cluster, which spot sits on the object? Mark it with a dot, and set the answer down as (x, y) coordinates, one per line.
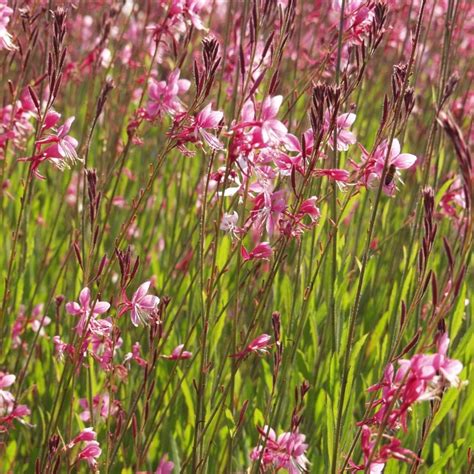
(10, 410)
(421, 378)
(286, 451)
(90, 449)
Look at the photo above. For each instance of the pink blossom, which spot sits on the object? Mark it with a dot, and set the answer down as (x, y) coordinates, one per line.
(100, 406)
(373, 165)
(229, 223)
(206, 119)
(58, 147)
(308, 208)
(142, 306)
(136, 355)
(266, 129)
(334, 174)
(303, 148)
(87, 434)
(165, 466)
(37, 321)
(268, 207)
(391, 450)
(6, 40)
(272, 130)
(179, 353)
(344, 137)
(90, 453)
(84, 311)
(164, 95)
(287, 451)
(259, 345)
(262, 251)
(9, 410)
(61, 348)
(449, 369)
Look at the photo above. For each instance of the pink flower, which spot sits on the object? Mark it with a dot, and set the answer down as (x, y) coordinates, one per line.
(6, 40)
(286, 451)
(179, 353)
(208, 119)
(229, 223)
(262, 251)
(90, 453)
(268, 207)
(272, 130)
(61, 348)
(449, 369)
(84, 311)
(305, 149)
(344, 137)
(259, 345)
(165, 466)
(142, 306)
(308, 208)
(100, 407)
(135, 355)
(266, 130)
(60, 149)
(374, 164)
(87, 434)
(6, 380)
(164, 95)
(334, 174)
(391, 450)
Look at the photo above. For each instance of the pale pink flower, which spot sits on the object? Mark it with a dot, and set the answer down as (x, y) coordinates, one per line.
(87, 434)
(268, 207)
(58, 147)
(100, 407)
(90, 453)
(6, 39)
(208, 119)
(135, 355)
(84, 310)
(142, 306)
(165, 466)
(179, 353)
(449, 369)
(344, 137)
(9, 410)
(333, 174)
(61, 348)
(373, 165)
(266, 129)
(262, 251)
(164, 95)
(229, 223)
(287, 451)
(259, 345)
(272, 130)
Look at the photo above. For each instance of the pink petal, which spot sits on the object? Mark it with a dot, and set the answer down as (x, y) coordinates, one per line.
(404, 161)
(142, 290)
(395, 149)
(7, 380)
(85, 297)
(101, 307)
(73, 308)
(271, 106)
